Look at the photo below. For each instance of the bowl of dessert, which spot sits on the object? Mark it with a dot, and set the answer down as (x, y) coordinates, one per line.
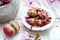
(8, 10)
(38, 18)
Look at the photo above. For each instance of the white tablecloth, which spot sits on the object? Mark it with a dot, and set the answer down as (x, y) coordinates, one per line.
(44, 35)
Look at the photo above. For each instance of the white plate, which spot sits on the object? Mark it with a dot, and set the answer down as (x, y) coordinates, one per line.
(24, 13)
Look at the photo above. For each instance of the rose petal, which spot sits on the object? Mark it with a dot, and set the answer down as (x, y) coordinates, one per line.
(30, 20)
(50, 2)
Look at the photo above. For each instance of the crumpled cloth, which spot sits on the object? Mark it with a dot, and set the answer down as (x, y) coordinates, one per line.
(53, 5)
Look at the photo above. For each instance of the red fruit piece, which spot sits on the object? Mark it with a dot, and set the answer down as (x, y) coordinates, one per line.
(6, 1)
(8, 32)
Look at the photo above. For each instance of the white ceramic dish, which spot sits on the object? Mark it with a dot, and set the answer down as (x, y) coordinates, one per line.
(9, 11)
(40, 28)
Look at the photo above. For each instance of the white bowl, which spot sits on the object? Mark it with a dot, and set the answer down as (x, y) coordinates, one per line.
(9, 11)
(39, 28)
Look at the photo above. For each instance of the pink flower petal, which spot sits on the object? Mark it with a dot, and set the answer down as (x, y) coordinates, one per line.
(29, 3)
(31, 28)
(50, 2)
